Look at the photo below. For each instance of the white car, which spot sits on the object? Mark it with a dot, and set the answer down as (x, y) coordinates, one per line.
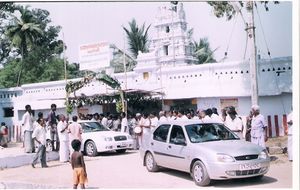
(205, 150)
(97, 138)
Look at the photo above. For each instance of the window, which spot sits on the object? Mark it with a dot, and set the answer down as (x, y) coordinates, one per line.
(167, 29)
(8, 112)
(166, 50)
(177, 135)
(161, 133)
(146, 76)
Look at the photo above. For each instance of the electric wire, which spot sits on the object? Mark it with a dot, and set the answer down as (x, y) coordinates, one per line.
(270, 59)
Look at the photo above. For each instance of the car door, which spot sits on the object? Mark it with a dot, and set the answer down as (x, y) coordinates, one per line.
(158, 144)
(177, 149)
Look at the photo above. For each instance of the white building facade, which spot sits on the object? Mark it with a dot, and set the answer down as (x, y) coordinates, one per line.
(169, 68)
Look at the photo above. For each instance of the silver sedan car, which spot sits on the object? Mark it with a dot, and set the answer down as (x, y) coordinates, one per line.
(208, 151)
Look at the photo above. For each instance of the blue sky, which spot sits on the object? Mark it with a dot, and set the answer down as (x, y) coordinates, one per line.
(89, 22)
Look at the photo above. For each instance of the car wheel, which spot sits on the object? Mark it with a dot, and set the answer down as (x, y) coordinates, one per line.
(150, 163)
(121, 151)
(49, 147)
(90, 148)
(199, 174)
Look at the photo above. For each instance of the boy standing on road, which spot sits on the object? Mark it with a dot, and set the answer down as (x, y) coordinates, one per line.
(39, 135)
(78, 165)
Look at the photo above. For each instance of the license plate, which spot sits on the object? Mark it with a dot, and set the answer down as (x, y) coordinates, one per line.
(124, 144)
(249, 166)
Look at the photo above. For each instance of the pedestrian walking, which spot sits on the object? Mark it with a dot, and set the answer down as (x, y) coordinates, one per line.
(78, 165)
(52, 123)
(290, 136)
(63, 134)
(27, 129)
(39, 135)
(257, 127)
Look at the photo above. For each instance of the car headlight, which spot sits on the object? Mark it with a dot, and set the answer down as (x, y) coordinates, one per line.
(224, 158)
(108, 138)
(263, 155)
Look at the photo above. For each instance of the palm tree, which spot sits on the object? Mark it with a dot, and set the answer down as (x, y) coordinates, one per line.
(23, 32)
(203, 52)
(137, 37)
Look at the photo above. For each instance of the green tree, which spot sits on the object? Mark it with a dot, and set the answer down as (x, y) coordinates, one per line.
(23, 32)
(229, 9)
(43, 61)
(5, 15)
(137, 37)
(203, 52)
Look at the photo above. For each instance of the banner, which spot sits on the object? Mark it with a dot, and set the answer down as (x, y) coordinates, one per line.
(94, 56)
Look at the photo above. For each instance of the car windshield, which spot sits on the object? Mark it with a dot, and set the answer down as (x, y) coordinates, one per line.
(93, 126)
(204, 132)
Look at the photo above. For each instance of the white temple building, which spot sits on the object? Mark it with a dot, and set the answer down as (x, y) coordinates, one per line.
(169, 68)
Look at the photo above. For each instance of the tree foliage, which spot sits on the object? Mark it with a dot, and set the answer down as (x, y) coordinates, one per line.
(228, 9)
(43, 53)
(137, 37)
(5, 13)
(203, 52)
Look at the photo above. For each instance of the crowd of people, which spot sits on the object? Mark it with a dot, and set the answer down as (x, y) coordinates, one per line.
(255, 124)
(62, 133)
(68, 141)
(140, 126)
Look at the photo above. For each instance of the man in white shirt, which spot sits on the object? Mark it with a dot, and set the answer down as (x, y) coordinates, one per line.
(75, 131)
(234, 123)
(181, 116)
(145, 123)
(39, 135)
(27, 129)
(63, 134)
(124, 123)
(154, 121)
(162, 117)
(257, 127)
(215, 116)
(207, 118)
(104, 120)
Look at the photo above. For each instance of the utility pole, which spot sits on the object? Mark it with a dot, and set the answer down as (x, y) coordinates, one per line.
(66, 77)
(124, 104)
(250, 28)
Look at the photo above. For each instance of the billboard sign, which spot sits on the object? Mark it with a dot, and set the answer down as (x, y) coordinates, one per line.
(94, 56)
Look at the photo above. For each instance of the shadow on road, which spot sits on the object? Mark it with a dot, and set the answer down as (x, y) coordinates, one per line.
(223, 183)
(243, 182)
(113, 153)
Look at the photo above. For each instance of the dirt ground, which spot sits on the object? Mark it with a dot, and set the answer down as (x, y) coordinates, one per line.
(278, 142)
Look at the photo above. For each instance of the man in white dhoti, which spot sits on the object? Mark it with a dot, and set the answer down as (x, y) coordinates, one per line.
(258, 127)
(27, 129)
(63, 134)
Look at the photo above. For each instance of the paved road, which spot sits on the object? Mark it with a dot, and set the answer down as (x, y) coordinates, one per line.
(111, 170)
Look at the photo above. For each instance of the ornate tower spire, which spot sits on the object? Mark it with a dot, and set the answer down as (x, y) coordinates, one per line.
(171, 42)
